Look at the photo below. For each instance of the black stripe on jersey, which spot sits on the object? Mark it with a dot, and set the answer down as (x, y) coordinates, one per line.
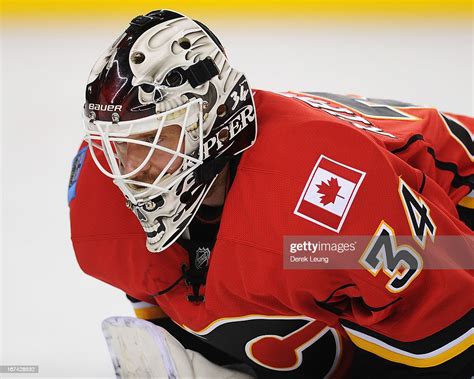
(334, 292)
(466, 215)
(132, 299)
(458, 180)
(423, 182)
(413, 138)
(333, 306)
(462, 134)
(425, 345)
(378, 309)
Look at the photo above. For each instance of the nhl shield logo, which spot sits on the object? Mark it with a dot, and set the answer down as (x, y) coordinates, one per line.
(329, 193)
(202, 257)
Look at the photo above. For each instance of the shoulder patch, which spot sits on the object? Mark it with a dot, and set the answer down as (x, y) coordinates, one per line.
(75, 171)
(329, 193)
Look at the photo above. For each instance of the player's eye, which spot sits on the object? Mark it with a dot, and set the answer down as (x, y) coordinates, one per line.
(151, 139)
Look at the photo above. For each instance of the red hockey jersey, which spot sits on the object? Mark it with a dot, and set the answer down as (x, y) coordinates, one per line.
(323, 165)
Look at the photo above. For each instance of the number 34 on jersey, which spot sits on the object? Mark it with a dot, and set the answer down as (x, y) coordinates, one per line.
(401, 263)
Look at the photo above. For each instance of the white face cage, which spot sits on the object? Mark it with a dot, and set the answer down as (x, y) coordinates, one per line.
(109, 136)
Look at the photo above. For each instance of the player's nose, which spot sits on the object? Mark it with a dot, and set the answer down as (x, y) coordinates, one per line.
(132, 157)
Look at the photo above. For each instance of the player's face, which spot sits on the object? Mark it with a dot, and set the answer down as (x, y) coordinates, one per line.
(131, 155)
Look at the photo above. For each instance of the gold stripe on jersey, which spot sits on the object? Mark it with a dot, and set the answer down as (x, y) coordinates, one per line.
(467, 201)
(393, 354)
(147, 311)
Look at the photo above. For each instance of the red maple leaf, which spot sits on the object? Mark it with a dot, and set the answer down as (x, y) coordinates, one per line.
(329, 191)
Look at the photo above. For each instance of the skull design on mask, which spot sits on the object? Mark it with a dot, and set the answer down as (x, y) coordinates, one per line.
(164, 112)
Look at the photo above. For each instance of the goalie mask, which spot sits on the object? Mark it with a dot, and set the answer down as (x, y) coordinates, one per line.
(164, 113)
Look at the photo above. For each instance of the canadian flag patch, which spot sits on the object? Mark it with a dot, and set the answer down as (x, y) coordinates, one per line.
(329, 193)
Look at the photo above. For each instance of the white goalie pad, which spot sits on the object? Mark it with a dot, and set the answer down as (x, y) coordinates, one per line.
(140, 349)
